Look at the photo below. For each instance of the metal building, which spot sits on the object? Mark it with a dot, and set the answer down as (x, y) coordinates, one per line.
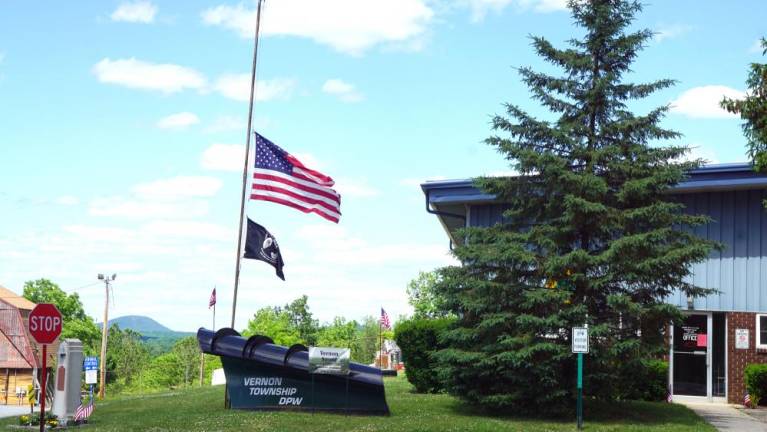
(722, 332)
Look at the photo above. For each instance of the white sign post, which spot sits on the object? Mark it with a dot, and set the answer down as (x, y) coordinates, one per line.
(741, 338)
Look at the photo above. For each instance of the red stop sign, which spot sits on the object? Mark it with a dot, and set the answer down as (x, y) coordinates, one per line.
(45, 323)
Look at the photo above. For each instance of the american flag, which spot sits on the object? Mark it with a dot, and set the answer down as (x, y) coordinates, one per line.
(385, 319)
(281, 178)
(83, 412)
(212, 301)
(747, 401)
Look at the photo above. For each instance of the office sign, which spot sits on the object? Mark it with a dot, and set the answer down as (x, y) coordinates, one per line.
(329, 361)
(580, 340)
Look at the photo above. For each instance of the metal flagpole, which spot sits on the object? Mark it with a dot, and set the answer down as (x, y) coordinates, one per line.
(247, 162)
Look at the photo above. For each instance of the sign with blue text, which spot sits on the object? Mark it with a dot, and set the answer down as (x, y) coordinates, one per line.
(580, 340)
(91, 367)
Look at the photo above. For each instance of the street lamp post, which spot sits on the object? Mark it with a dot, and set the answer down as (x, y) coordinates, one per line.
(104, 333)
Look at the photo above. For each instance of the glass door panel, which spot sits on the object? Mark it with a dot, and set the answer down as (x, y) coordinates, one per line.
(690, 356)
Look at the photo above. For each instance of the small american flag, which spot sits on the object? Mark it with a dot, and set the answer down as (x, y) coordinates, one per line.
(83, 412)
(747, 401)
(385, 320)
(281, 178)
(212, 301)
(669, 397)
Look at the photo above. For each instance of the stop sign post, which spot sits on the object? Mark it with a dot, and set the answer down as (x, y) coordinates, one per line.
(45, 327)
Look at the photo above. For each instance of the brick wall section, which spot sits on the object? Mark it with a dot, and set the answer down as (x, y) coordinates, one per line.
(737, 359)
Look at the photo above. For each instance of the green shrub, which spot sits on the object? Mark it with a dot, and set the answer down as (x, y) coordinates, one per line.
(755, 376)
(645, 380)
(419, 338)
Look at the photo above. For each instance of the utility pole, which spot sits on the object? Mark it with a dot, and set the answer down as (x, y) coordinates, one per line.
(104, 334)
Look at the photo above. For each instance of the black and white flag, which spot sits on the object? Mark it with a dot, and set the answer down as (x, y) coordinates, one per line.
(261, 245)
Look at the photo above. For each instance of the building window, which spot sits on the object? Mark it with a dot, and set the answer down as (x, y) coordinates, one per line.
(761, 331)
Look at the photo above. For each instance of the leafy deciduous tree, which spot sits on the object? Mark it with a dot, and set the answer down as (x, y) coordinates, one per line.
(753, 110)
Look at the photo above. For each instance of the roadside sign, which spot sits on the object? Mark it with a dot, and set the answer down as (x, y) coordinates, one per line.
(91, 367)
(329, 361)
(45, 323)
(45, 327)
(580, 340)
(580, 346)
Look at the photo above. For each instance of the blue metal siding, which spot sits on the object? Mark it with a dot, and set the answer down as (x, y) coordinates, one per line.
(738, 272)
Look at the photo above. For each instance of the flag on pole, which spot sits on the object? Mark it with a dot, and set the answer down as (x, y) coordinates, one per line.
(83, 412)
(385, 320)
(281, 178)
(212, 301)
(261, 245)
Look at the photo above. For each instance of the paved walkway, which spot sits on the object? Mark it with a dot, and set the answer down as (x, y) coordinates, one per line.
(13, 410)
(727, 418)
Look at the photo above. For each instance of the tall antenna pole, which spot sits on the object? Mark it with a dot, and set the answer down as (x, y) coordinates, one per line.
(247, 162)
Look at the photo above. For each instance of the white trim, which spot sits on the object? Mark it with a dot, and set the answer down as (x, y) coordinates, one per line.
(758, 337)
(709, 368)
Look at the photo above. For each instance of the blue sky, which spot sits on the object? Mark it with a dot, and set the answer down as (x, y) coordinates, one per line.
(122, 126)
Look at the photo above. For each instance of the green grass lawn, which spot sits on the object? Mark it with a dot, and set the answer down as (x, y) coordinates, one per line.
(202, 410)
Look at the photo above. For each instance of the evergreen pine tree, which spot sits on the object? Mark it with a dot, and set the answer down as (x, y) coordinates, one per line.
(591, 234)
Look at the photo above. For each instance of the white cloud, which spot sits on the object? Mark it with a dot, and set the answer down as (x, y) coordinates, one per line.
(671, 31)
(698, 151)
(703, 102)
(480, 8)
(178, 121)
(189, 229)
(133, 73)
(226, 123)
(67, 200)
(178, 187)
(223, 157)
(237, 87)
(343, 90)
(350, 26)
(143, 209)
(136, 12)
(339, 245)
(358, 188)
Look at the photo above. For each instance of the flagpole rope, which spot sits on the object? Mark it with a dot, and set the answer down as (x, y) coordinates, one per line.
(247, 162)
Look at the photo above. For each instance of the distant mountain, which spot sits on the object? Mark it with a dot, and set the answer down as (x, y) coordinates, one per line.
(159, 339)
(140, 324)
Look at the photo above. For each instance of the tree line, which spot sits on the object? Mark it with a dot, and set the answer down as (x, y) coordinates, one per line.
(135, 363)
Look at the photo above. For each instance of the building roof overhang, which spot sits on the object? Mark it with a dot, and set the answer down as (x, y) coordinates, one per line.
(450, 199)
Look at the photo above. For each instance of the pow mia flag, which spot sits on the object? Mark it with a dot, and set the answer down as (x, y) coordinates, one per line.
(261, 245)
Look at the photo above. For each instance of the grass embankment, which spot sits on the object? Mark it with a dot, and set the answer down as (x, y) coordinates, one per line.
(202, 410)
